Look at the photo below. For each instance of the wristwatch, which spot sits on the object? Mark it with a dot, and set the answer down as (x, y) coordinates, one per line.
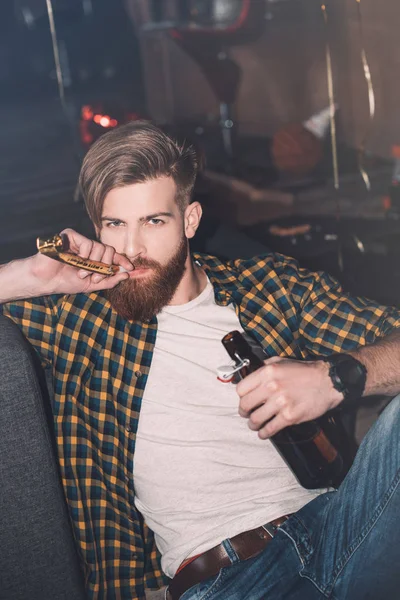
(348, 375)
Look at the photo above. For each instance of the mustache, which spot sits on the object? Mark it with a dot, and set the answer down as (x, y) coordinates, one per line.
(143, 263)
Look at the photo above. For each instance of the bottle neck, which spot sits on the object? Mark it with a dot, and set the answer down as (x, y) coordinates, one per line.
(239, 349)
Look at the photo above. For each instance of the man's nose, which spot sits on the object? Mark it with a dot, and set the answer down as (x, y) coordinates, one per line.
(134, 245)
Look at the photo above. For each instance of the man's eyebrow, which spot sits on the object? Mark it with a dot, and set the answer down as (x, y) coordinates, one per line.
(110, 219)
(155, 216)
(142, 219)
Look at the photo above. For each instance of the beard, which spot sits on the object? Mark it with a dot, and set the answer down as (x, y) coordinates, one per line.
(142, 298)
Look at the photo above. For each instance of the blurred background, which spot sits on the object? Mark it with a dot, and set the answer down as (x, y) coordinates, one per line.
(292, 104)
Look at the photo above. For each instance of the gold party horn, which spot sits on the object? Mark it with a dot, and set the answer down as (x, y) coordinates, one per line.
(54, 248)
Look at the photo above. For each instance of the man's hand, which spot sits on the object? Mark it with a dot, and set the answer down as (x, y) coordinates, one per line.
(40, 275)
(286, 392)
(56, 277)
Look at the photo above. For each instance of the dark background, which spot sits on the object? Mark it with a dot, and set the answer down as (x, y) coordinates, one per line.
(107, 63)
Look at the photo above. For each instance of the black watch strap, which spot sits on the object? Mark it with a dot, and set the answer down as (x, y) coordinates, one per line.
(348, 376)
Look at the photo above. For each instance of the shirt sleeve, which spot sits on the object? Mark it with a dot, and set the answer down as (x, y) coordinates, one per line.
(37, 319)
(331, 320)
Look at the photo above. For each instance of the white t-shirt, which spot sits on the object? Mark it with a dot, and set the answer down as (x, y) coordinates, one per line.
(201, 475)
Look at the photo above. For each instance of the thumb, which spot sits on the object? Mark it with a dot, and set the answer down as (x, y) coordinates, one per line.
(108, 282)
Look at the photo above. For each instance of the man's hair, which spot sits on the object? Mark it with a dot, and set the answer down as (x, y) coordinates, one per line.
(135, 153)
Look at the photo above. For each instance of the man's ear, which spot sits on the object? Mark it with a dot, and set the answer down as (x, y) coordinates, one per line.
(192, 218)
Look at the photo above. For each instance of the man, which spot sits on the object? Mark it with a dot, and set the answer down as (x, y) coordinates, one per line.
(150, 440)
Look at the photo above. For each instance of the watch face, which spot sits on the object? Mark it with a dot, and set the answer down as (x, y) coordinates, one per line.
(352, 375)
(349, 372)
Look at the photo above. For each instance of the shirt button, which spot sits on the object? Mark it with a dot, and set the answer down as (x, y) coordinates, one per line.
(138, 374)
(128, 428)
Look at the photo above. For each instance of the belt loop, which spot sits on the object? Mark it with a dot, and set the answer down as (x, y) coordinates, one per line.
(270, 528)
(231, 552)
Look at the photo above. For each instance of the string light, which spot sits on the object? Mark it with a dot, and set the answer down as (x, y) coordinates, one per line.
(332, 104)
(332, 110)
(371, 101)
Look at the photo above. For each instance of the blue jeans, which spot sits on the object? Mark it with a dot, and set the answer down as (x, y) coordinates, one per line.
(343, 545)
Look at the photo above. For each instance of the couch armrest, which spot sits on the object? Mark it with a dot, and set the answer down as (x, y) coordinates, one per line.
(38, 556)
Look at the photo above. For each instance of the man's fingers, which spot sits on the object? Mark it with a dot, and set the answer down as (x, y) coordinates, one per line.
(97, 252)
(102, 253)
(81, 245)
(77, 243)
(260, 416)
(86, 248)
(249, 383)
(262, 376)
(108, 255)
(107, 283)
(272, 427)
(271, 371)
(121, 260)
(97, 277)
(257, 396)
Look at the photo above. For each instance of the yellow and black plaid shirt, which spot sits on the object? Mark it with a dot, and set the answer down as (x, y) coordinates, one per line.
(101, 363)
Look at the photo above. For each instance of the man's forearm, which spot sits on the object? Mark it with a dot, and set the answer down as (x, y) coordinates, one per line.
(17, 282)
(382, 360)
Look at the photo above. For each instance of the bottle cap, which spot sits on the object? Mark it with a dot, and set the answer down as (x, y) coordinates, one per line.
(226, 372)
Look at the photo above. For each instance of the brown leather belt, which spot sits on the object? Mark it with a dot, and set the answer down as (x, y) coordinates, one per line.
(246, 545)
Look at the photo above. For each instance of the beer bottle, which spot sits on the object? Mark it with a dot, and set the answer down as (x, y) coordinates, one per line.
(318, 452)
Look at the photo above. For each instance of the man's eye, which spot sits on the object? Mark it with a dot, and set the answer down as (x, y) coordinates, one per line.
(156, 221)
(113, 223)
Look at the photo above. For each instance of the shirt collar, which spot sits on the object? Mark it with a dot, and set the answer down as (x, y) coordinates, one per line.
(223, 276)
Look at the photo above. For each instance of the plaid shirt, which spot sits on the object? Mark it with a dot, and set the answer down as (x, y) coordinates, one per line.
(101, 363)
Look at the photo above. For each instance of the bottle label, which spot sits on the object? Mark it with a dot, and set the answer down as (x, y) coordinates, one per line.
(325, 447)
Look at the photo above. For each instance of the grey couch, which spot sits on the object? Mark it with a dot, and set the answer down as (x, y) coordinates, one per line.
(38, 556)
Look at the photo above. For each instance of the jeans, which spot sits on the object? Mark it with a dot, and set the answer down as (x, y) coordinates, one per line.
(343, 545)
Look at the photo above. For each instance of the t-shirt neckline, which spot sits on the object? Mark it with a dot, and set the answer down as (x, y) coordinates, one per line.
(175, 309)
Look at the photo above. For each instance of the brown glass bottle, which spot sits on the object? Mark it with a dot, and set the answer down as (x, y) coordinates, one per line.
(318, 452)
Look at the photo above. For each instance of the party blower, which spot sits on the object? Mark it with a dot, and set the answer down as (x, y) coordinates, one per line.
(56, 247)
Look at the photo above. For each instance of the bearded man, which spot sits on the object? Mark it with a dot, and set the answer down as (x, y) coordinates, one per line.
(152, 447)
